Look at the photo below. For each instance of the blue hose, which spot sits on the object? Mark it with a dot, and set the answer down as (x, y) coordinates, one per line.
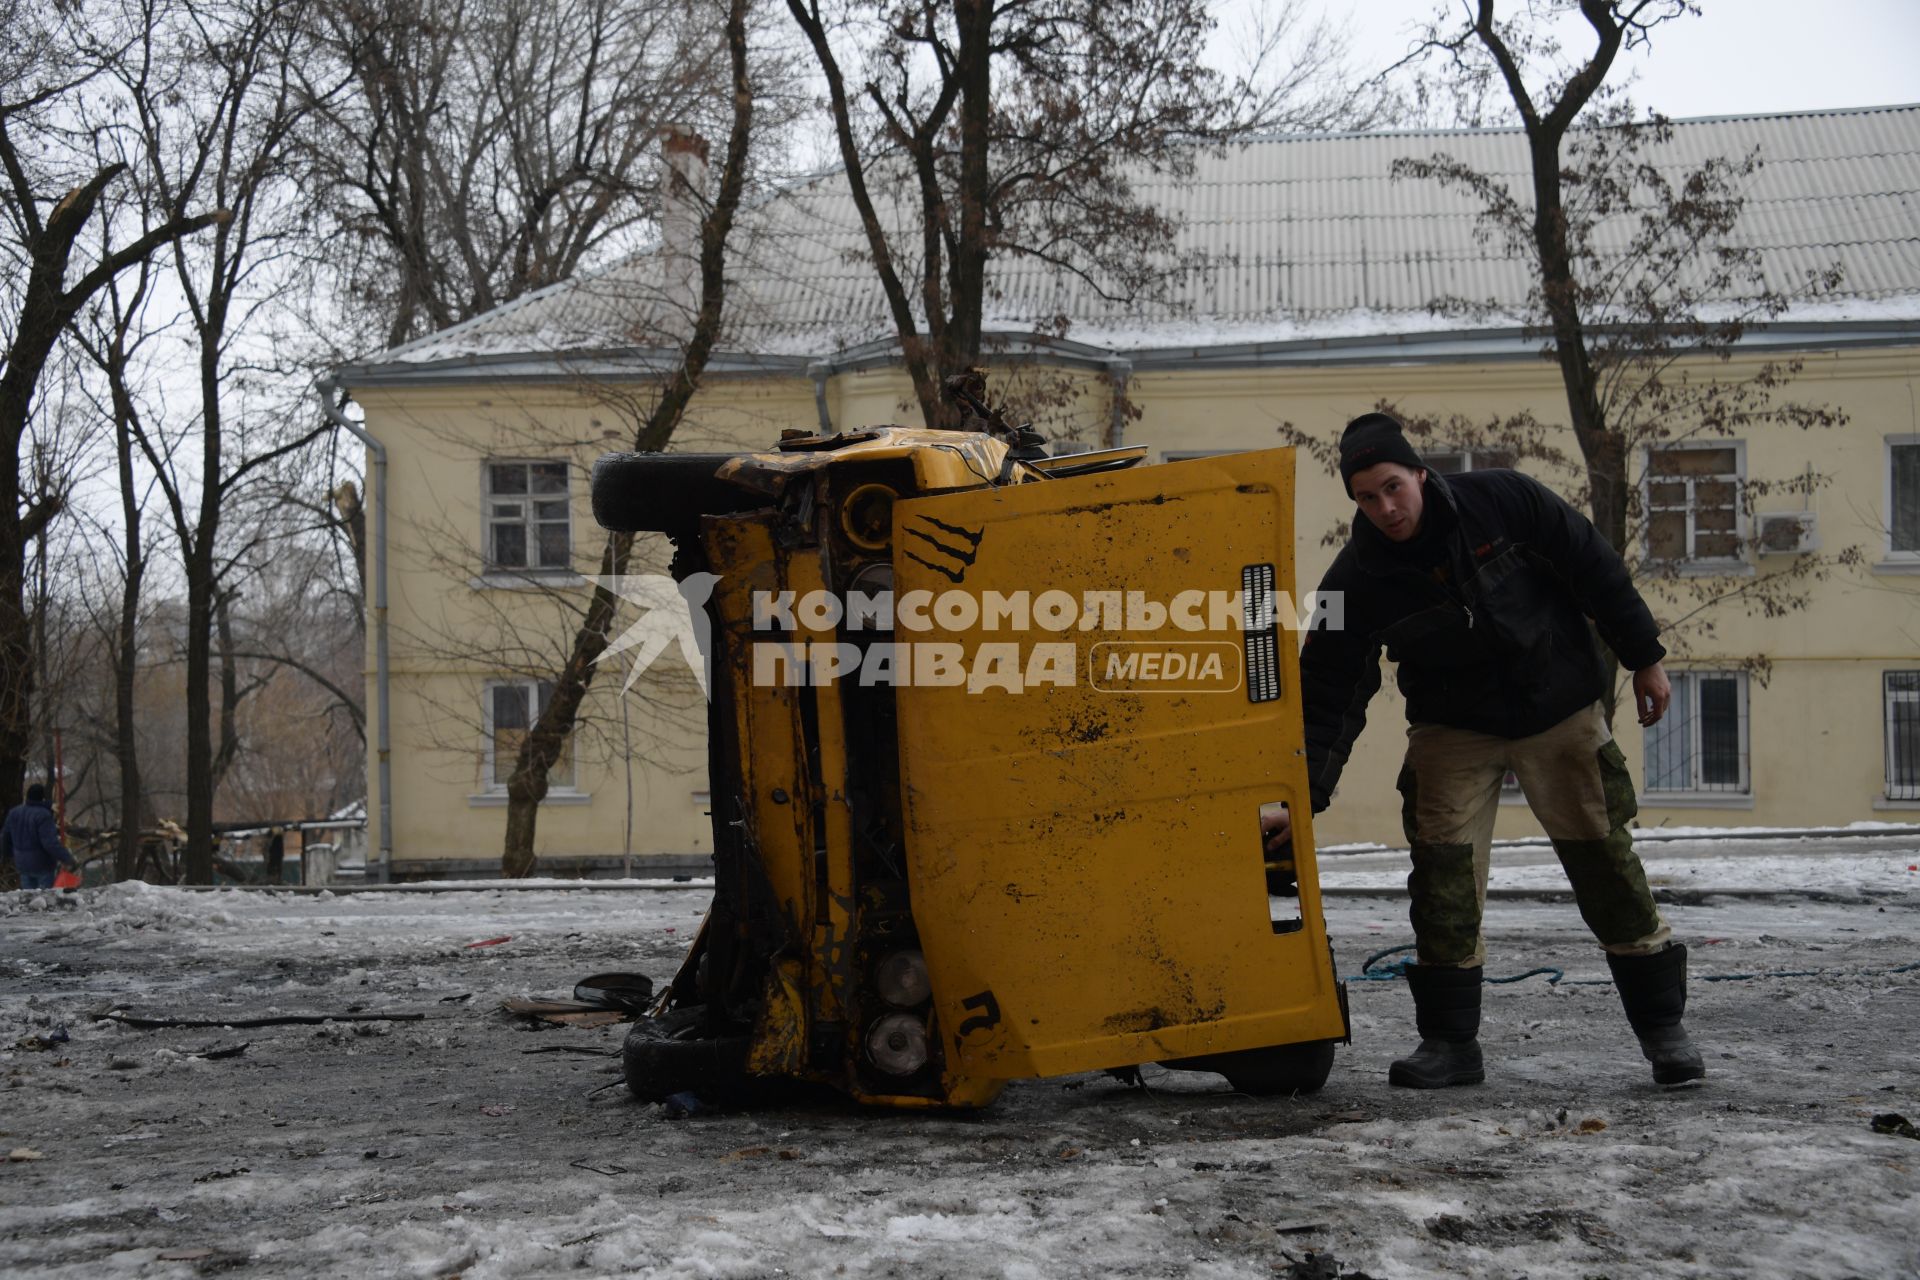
(1555, 977)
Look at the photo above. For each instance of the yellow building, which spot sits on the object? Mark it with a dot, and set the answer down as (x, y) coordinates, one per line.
(1318, 305)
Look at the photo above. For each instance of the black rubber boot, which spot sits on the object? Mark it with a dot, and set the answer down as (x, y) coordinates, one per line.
(1446, 1010)
(1654, 991)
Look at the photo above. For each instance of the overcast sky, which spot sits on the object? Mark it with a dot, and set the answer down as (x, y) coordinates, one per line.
(1738, 57)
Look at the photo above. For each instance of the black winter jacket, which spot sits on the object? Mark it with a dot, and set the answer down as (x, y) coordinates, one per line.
(1485, 613)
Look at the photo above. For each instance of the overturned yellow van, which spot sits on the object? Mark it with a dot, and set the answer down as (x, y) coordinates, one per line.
(989, 737)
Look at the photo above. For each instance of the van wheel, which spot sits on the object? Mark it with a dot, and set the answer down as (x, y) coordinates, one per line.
(1279, 1069)
(672, 1054)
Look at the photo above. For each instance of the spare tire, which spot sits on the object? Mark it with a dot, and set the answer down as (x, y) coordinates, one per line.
(674, 1054)
(665, 492)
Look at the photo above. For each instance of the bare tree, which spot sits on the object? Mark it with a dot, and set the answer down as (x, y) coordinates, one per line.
(489, 147)
(54, 185)
(548, 735)
(1616, 318)
(113, 339)
(1018, 130)
(1640, 285)
(217, 108)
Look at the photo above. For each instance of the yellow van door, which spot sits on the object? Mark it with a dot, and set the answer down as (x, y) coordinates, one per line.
(1095, 705)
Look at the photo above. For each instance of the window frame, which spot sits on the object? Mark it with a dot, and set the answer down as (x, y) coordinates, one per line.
(1471, 459)
(1740, 561)
(529, 522)
(1686, 684)
(1888, 696)
(1905, 556)
(489, 770)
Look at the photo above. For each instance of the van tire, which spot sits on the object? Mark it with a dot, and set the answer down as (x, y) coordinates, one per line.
(1276, 1070)
(672, 1054)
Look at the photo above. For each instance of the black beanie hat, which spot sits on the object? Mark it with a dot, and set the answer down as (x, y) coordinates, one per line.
(1371, 439)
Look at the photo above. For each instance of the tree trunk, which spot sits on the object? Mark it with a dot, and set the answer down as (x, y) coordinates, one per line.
(197, 860)
(914, 347)
(196, 865)
(1602, 448)
(967, 293)
(16, 659)
(353, 519)
(229, 746)
(126, 858)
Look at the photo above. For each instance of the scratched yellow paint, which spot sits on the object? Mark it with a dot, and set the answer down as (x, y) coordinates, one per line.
(1089, 883)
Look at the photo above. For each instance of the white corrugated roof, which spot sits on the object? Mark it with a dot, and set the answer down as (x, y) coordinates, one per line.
(1308, 237)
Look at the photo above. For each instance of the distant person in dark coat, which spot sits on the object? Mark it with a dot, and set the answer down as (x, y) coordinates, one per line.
(31, 835)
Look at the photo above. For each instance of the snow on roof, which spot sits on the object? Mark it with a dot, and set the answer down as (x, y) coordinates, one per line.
(1309, 238)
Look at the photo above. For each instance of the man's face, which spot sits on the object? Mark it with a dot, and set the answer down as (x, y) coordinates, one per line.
(1391, 497)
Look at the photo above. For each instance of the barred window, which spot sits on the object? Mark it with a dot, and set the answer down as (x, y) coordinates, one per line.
(1701, 744)
(509, 712)
(1902, 706)
(1693, 504)
(528, 521)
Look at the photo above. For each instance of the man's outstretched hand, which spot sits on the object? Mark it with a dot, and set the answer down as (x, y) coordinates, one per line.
(1276, 824)
(1651, 694)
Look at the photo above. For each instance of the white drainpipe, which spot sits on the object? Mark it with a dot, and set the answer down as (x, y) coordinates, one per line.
(383, 739)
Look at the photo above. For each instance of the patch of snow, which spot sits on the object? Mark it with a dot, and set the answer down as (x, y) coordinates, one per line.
(324, 1151)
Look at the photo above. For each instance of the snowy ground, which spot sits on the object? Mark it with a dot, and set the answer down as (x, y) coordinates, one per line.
(470, 1143)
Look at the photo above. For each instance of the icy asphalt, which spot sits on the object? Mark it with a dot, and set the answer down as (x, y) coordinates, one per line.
(472, 1143)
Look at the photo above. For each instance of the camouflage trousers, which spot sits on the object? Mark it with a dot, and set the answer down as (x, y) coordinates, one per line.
(1576, 783)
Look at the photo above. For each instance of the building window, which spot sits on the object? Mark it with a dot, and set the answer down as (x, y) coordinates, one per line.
(1451, 462)
(509, 710)
(1902, 704)
(527, 520)
(1700, 745)
(1693, 503)
(1903, 497)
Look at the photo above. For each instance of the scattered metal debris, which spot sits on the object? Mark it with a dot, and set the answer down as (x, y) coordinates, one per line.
(565, 1013)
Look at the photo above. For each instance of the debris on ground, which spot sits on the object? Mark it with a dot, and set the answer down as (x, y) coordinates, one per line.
(679, 1106)
(565, 1013)
(272, 1020)
(631, 992)
(1894, 1123)
(1179, 1178)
